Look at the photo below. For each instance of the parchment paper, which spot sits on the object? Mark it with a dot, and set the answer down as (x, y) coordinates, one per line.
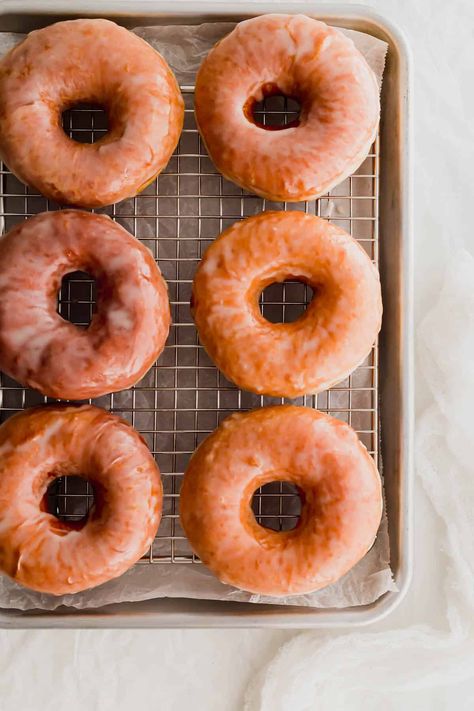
(184, 48)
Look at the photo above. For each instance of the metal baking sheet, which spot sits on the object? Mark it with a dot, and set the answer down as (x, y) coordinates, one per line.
(184, 398)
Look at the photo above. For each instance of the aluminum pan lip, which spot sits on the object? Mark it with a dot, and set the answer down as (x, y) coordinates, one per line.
(218, 614)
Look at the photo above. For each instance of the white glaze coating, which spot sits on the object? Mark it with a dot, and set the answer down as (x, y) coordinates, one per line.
(40, 349)
(45, 554)
(87, 61)
(326, 343)
(300, 57)
(341, 491)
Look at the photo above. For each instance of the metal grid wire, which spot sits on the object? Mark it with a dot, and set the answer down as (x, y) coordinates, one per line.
(184, 397)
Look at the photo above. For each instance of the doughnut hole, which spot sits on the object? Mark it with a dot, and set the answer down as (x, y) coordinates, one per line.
(85, 122)
(277, 505)
(273, 110)
(285, 301)
(70, 499)
(77, 298)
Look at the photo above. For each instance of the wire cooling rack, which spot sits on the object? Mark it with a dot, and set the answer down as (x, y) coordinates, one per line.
(183, 397)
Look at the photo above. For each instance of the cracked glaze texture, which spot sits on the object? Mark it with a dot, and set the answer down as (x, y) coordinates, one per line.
(87, 61)
(40, 349)
(321, 348)
(298, 57)
(341, 500)
(42, 552)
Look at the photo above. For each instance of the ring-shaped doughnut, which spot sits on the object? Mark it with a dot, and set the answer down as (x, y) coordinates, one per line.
(322, 347)
(40, 349)
(60, 557)
(338, 483)
(87, 61)
(301, 58)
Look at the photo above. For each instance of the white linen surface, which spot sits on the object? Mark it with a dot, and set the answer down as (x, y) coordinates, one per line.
(417, 657)
(416, 646)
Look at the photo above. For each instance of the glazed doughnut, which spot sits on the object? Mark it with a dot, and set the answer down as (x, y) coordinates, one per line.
(337, 480)
(301, 58)
(127, 333)
(322, 347)
(52, 556)
(87, 61)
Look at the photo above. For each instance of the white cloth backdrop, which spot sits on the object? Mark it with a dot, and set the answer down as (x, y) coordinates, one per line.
(421, 657)
(328, 671)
